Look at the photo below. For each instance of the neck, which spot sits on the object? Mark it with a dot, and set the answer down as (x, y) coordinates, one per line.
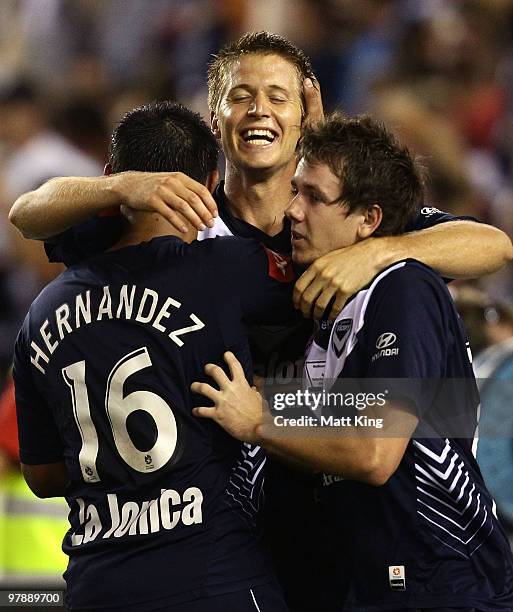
(259, 198)
(142, 226)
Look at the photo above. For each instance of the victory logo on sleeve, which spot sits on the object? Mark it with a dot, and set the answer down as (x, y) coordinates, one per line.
(427, 211)
(341, 334)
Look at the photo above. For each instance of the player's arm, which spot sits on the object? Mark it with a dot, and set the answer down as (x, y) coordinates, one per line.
(407, 304)
(46, 480)
(61, 203)
(40, 444)
(457, 249)
(350, 453)
(242, 412)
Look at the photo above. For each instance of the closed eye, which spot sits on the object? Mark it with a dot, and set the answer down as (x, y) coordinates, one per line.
(314, 197)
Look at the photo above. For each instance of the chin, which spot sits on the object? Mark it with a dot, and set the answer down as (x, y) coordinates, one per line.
(257, 162)
(302, 259)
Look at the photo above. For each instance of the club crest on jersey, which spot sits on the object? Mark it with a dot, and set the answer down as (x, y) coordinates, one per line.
(341, 334)
(280, 266)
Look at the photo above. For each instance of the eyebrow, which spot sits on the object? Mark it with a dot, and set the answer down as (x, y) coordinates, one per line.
(311, 188)
(279, 88)
(250, 87)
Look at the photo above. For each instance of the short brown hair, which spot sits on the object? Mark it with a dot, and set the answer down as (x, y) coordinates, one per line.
(263, 43)
(372, 165)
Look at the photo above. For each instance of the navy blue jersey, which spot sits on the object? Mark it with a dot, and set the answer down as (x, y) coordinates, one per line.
(277, 350)
(163, 504)
(429, 536)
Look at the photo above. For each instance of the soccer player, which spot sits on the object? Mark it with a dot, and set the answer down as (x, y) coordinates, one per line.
(163, 508)
(410, 524)
(261, 91)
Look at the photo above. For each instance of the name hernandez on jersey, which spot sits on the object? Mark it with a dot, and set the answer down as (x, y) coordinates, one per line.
(129, 302)
(103, 368)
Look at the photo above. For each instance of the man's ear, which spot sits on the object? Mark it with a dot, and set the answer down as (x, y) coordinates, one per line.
(107, 170)
(212, 180)
(371, 220)
(214, 125)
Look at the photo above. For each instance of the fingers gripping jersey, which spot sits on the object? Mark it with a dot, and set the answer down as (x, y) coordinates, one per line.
(162, 505)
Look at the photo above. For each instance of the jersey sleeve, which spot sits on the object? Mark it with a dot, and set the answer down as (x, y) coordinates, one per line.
(429, 216)
(405, 335)
(264, 278)
(39, 437)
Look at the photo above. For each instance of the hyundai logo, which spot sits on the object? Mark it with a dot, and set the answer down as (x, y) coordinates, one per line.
(386, 339)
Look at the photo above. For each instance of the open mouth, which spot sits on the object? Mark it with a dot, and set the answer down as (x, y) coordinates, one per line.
(259, 137)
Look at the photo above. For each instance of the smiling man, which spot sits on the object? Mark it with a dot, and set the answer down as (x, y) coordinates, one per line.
(261, 91)
(257, 112)
(248, 88)
(409, 522)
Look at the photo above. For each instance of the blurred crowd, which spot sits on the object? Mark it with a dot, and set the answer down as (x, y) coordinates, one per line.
(438, 72)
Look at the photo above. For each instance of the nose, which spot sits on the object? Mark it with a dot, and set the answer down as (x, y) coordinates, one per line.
(294, 210)
(259, 106)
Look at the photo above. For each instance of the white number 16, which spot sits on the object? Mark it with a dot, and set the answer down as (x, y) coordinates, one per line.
(118, 408)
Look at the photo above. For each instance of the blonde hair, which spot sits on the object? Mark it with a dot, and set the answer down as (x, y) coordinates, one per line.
(257, 43)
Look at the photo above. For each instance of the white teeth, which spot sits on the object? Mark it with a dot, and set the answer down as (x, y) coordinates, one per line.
(258, 136)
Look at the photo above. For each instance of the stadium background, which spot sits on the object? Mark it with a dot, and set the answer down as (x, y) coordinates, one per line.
(439, 72)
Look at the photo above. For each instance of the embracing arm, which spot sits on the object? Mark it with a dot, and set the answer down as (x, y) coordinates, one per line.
(63, 202)
(371, 460)
(60, 203)
(350, 451)
(457, 249)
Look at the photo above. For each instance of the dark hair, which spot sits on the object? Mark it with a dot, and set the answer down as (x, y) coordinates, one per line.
(373, 167)
(263, 43)
(164, 137)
